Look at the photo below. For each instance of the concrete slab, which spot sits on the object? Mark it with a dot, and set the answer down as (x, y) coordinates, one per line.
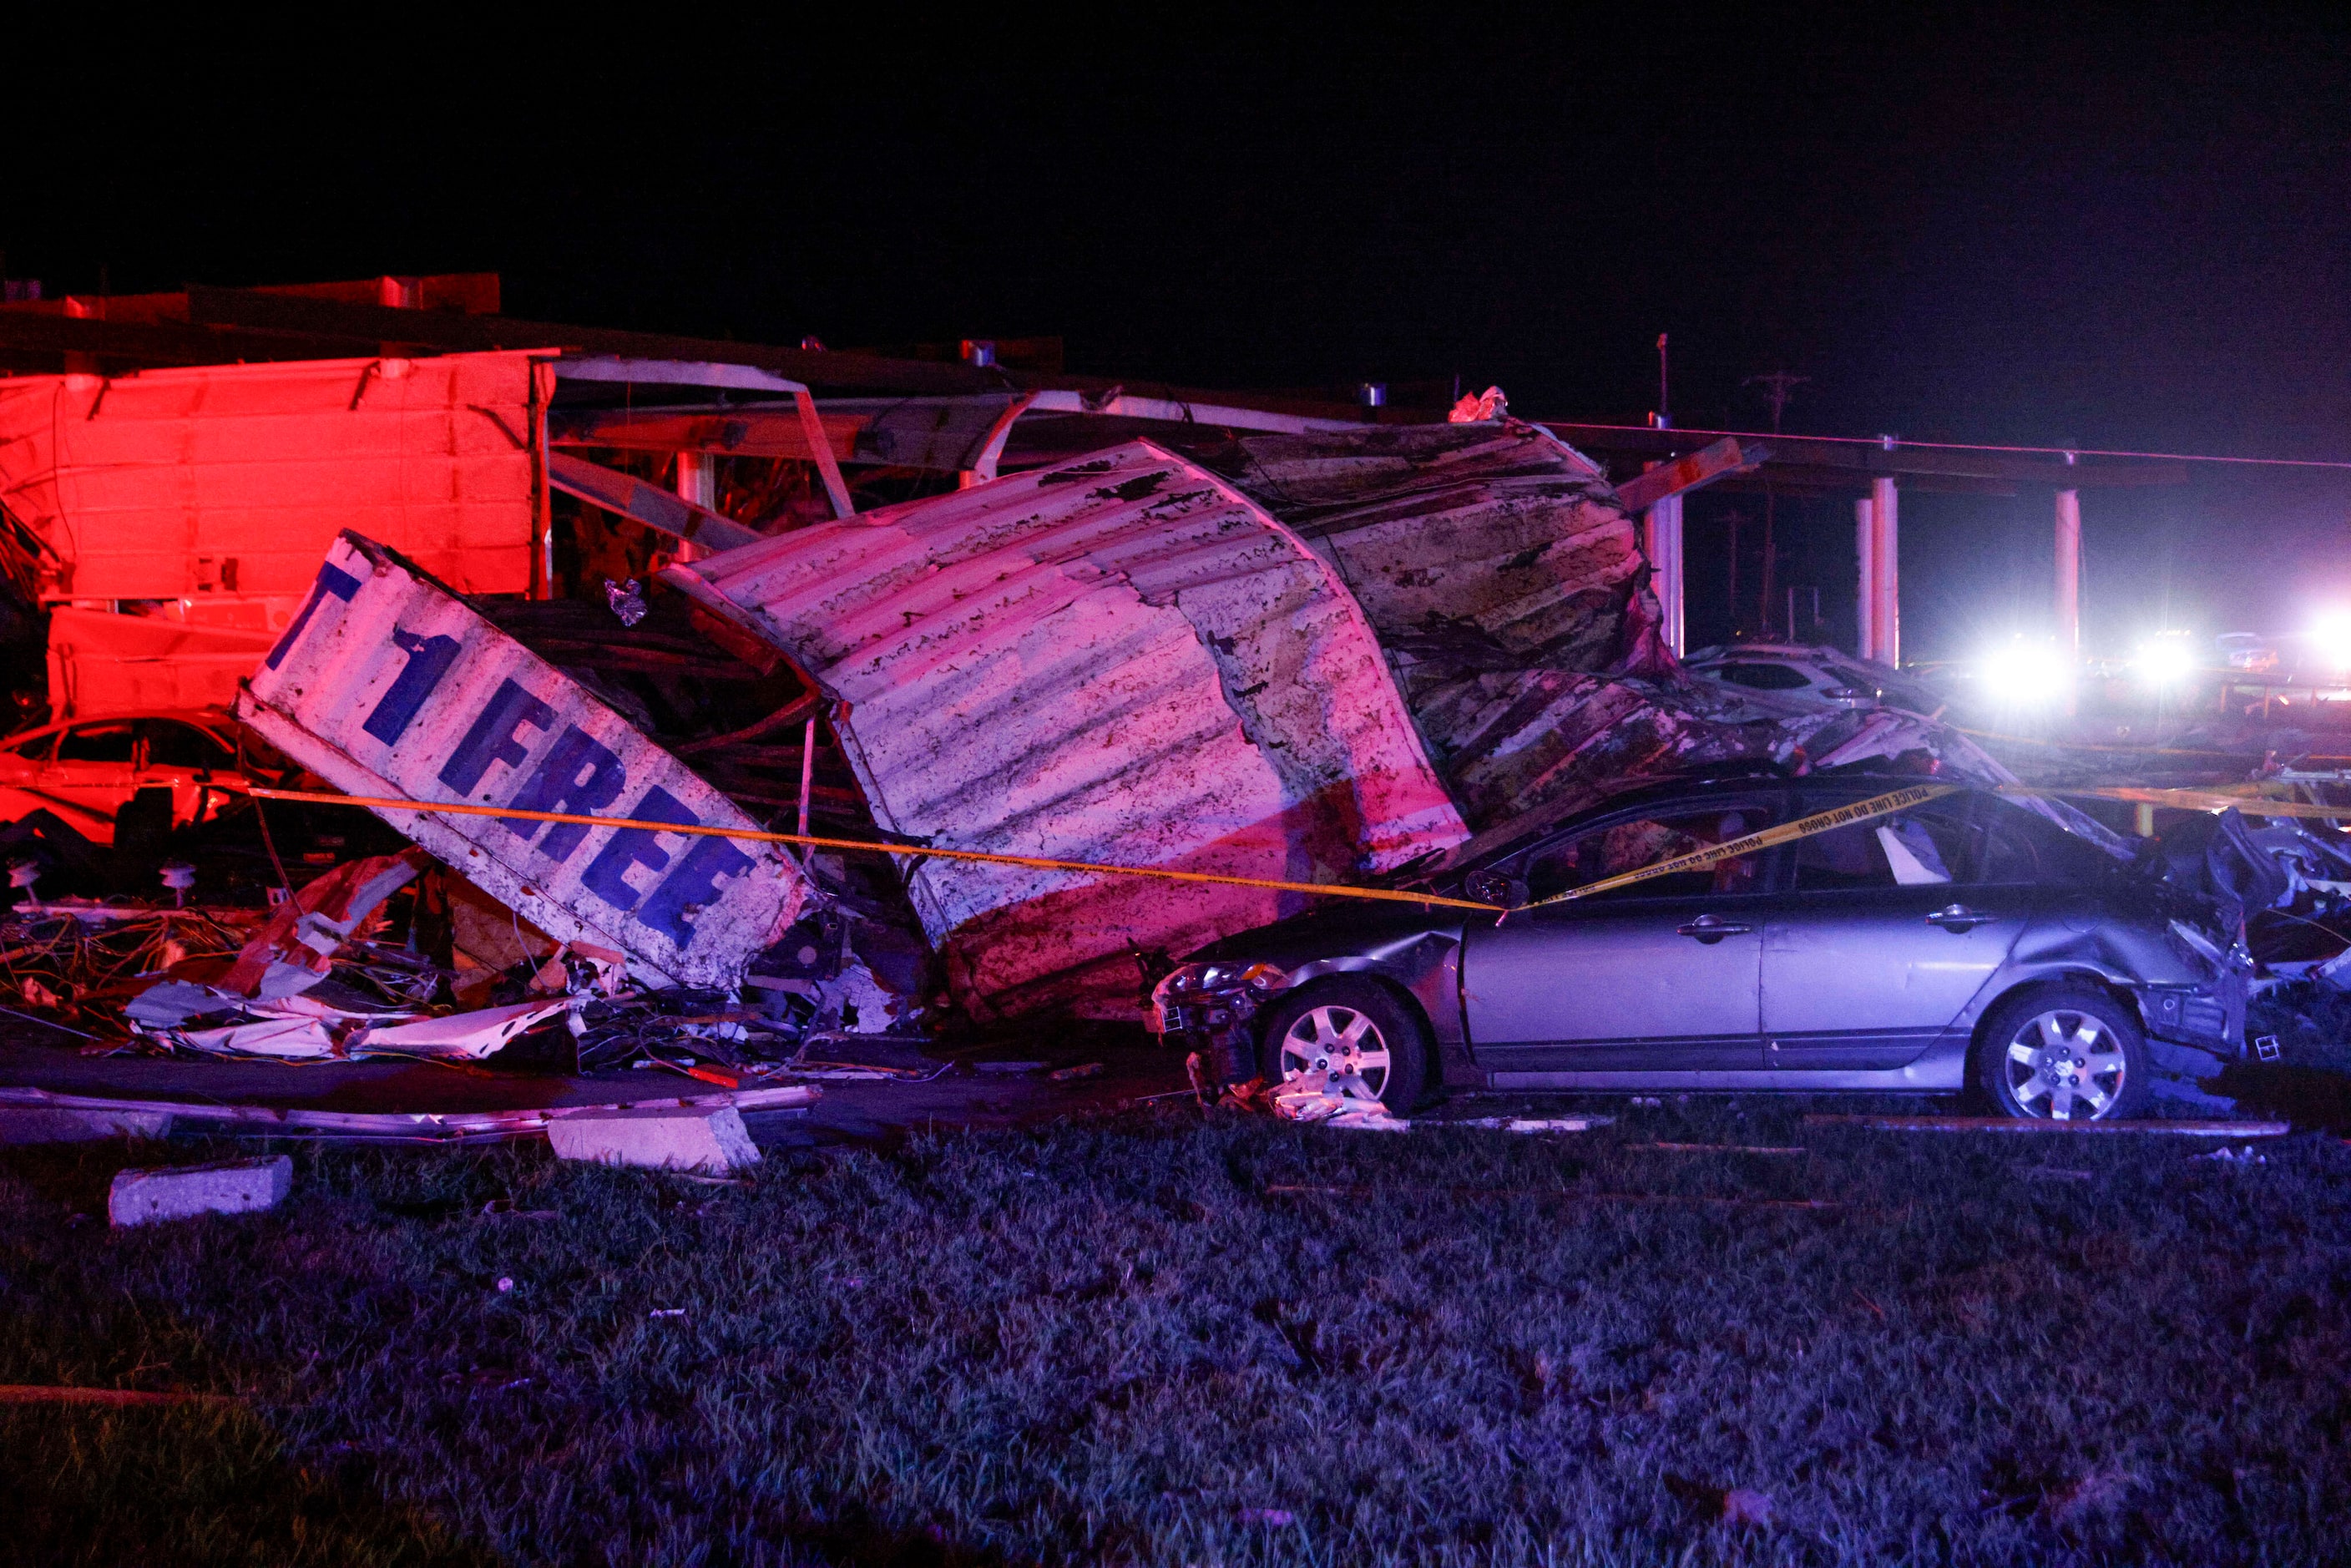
(40, 1126)
(182, 1192)
(683, 1138)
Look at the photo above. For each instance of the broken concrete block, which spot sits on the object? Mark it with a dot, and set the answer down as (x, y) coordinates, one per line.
(667, 1137)
(38, 1126)
(180, 1192)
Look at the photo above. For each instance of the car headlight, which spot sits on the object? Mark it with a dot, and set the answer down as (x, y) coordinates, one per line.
(1193, 979)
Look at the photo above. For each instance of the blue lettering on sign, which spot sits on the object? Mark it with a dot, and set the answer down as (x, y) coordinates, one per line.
(606, 875)
(695, 883)
(331, 579)
(492, 739)
(429, 659)
(577, 777)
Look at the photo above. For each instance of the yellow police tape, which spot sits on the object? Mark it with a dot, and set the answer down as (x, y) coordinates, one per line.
(1804, 827)
(910, 852)
(1787, 832)
(2050, 744)
(2219, 799)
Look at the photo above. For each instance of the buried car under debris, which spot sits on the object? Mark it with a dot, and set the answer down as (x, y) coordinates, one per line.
(1961, 942)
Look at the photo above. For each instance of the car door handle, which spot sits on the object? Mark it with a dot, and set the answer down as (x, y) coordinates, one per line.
(1959, 917)
(1709, 928)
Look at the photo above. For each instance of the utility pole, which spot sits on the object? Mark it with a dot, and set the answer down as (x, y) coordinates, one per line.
(1665, 402)
(1778, 387)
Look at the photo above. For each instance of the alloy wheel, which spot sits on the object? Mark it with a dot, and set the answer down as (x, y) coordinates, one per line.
(2065, 1065)
(1338, 1041)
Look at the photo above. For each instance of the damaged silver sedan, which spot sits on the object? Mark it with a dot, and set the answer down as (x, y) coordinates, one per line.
(1965, 943)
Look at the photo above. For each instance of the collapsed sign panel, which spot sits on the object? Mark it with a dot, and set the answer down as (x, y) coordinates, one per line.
(1121, 661)
(387, 685)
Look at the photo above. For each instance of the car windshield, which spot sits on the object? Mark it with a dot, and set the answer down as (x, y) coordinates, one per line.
(171, 742)
(96, 743)
(1763, 677)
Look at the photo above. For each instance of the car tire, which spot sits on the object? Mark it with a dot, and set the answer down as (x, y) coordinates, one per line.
(1318, 1022)
(2063, 1053)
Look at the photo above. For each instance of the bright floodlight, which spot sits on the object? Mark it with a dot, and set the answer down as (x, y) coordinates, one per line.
(2020, 674)
(2165, 661)
(2331, 637)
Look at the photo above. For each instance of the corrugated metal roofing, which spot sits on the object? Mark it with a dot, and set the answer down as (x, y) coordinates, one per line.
(229, 482)
(1475, 549)
(1119, 660)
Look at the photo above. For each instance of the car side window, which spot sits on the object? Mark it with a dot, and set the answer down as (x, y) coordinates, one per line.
(1922, 847)
(35, 749)
(1764, 677)
(2010, 852)
(171, 744)
(96, 743)
(1628, 844)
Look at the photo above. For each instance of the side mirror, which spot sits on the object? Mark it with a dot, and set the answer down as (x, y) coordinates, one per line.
(1496, 887)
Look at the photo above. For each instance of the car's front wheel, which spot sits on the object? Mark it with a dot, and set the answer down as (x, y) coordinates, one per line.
(2063, 1053)
(1353, 1030)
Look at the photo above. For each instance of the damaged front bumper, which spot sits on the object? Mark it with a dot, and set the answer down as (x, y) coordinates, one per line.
(2196, 1027)
(2193, 1031)
(1211, 1008)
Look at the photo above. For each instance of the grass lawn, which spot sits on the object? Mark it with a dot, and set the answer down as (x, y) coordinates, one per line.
(1115, 1341)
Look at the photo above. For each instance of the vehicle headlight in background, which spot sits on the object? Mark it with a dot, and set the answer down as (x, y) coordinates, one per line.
(2165, 660)
(2330, 639)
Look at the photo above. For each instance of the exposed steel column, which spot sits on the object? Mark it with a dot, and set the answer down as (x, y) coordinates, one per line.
(1886, 564)
(1661, 542)
(1864, 587)
(2069, 576)
(697, 482)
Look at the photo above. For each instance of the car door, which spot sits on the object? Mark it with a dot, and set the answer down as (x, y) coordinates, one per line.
(1886, 932)
(186, 759)
(1662, 974)
(89, 776)
(21, 765)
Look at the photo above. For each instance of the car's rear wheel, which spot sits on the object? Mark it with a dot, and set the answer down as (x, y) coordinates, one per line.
(1356, 1030)
(2063, 1053)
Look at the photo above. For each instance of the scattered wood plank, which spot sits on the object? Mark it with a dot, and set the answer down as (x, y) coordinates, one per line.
(115, 1399)
(1718, 1148)
(1557, 1195)
(2179, 1129)
(796, 711)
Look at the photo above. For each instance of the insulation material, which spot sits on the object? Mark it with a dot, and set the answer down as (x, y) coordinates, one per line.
(227, 483)
(295, 946)
(1120, 661)
(387, 685)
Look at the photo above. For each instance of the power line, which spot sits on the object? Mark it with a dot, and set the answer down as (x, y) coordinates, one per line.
(1983, 447)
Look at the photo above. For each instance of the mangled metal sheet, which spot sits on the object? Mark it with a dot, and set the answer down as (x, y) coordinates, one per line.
(387, 685)
(1117, 661)
(101, 661)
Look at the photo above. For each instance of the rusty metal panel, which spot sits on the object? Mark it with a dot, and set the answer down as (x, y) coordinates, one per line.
(387, 685)
(1121, 661)
(1485, 555)
(103, 662)
(230, 481)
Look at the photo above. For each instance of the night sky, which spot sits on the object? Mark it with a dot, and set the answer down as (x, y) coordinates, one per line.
(2120, 228)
